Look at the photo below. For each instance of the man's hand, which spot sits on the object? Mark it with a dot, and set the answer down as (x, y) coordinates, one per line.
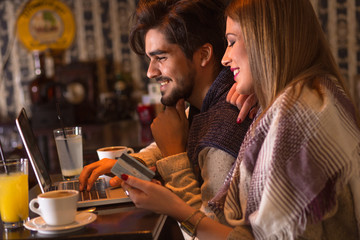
(91, 172)
(245, 103)
(170, 129)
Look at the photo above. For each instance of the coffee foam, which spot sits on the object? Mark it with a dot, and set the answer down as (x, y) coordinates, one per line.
(58, 194)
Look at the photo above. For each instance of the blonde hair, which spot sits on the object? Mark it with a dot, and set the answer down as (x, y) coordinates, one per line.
(285, 45)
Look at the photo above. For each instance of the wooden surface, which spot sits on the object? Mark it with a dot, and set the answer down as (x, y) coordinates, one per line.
(117, 221)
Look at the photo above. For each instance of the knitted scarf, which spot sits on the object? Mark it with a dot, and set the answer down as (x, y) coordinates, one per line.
(215, 125)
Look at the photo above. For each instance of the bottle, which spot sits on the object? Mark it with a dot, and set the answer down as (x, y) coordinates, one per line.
(41, 87)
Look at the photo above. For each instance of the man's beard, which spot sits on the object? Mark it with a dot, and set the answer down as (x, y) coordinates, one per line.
(175, 96)
(183, 90)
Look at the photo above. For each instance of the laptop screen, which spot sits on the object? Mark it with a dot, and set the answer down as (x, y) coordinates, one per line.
(32, 149)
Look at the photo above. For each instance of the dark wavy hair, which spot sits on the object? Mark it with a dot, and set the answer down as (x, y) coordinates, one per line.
(187, 23)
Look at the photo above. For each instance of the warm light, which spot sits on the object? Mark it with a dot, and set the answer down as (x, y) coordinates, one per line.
(34, 89)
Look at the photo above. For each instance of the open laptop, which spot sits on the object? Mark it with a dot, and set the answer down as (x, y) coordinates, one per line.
(101, 194)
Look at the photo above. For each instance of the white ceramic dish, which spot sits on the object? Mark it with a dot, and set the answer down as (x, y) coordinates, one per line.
(81, 219)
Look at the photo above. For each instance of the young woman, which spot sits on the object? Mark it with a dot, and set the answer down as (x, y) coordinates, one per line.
(297, 172)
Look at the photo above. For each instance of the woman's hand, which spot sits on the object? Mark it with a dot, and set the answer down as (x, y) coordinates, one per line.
(91, 172)
(154, 197)
(245, 103)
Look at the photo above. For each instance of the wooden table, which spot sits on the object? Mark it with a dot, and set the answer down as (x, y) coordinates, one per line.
(117, 221)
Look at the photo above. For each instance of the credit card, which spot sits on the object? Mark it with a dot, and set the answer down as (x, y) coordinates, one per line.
(126, 164)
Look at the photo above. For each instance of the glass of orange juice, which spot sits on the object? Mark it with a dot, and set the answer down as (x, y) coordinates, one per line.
(14, 192)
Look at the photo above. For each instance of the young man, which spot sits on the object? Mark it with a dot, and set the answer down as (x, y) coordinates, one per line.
(184, 42)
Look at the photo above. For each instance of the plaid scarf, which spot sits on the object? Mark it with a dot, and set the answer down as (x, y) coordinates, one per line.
(292, 163)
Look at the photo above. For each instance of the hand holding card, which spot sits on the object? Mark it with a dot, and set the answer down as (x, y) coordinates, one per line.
(126, 164)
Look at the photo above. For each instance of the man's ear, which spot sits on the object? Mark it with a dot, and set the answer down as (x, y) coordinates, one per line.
(206, 53)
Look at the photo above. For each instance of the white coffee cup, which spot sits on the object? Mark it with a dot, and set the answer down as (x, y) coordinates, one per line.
(56, 207)
(113, 151)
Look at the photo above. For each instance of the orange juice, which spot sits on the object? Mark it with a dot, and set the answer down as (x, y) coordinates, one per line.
(14, 202)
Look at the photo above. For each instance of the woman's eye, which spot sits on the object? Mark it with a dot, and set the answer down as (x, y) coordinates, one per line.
(230, 44)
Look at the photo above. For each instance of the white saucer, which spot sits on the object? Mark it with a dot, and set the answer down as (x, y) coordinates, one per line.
(81, 219)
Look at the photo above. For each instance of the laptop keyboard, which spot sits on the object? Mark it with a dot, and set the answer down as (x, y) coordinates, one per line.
(96, 192)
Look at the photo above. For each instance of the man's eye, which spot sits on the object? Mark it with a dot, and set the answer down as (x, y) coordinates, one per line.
(160, 58)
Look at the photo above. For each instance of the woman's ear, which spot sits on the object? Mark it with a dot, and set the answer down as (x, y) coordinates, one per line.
(206, 54)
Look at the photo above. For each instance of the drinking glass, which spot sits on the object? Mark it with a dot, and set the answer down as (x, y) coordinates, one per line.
(70, 151)
(14, 192)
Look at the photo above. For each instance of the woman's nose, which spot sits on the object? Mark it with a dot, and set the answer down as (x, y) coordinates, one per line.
(225, 60)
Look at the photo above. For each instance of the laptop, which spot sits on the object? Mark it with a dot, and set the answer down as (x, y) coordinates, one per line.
(101, 194)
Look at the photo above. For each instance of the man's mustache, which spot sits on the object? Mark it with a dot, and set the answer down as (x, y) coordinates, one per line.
(162, 78)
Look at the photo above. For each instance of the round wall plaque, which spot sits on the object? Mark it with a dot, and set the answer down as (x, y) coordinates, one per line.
(46, 24)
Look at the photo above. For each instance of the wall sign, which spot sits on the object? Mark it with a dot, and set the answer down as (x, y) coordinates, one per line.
(46, 24)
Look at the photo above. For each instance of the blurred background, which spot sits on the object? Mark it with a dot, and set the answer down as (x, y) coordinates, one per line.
(99, 56)
(76, 53)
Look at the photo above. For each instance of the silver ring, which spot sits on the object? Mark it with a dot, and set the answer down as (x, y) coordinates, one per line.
(126, 192)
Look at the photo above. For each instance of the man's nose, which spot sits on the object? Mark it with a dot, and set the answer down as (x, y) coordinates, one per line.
(153, 71)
